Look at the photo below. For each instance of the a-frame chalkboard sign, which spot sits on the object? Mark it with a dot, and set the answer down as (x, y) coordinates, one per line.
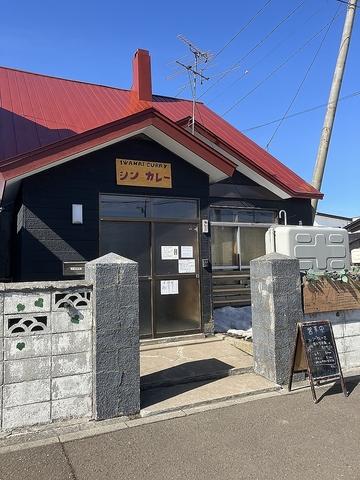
(315, 352)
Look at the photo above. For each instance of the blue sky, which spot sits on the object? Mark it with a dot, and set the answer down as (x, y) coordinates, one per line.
(95, 41)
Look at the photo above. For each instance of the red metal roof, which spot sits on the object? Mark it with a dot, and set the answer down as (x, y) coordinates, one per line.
(38, 110)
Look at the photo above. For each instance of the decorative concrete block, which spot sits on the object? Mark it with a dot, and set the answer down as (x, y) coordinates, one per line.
(73, 407)
(116, 313)
(26, 324)
(35, 346)
(71, 386)
(26, 392)
(71, 320)
(25, 415)
(276, 310)
(26, 369)
(26, 302)
(79, 299)
(73, 342)
(75, 363)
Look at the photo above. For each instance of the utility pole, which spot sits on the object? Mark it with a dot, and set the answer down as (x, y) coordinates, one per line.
(199, 57)
(333, 100)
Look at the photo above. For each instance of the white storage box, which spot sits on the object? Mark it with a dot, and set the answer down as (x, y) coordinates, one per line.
(317, 248)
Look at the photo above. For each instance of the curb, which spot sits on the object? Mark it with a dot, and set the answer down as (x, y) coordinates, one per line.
(109, 426)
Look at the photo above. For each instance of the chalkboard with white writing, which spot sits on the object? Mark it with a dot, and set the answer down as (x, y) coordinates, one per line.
(321, 350)
(315, 352)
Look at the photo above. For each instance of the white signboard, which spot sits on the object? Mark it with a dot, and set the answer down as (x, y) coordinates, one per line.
(355, 255)
(169, 287)
(187, 251)
(187, 266)
(169, 252)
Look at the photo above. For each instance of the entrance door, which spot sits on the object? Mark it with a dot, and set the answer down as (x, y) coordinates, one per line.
(176, 280)
(168, 257)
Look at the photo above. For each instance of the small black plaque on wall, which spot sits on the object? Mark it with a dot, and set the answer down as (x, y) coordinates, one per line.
(71, 269)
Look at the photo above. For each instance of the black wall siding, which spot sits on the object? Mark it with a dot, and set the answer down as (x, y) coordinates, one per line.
(47, 198)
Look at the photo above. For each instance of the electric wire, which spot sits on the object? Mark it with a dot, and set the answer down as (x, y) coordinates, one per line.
(243, 28)
(287, 60)
(261, 42)
(264, 57)
(304, 77)
(302, 112)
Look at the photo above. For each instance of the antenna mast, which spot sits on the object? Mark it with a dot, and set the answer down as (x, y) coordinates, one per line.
(200, 58)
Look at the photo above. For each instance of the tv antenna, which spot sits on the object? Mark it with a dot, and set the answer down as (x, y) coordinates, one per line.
(195, 73)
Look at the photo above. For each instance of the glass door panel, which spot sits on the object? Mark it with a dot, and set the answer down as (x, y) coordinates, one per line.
(145, 321)
(170, 255)
(176, 282)
(128, 239)
(132, 240)
(225, 252)
(178, 312)
(252, 244)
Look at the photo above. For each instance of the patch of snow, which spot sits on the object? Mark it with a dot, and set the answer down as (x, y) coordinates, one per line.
(232, 318)
(247, 334)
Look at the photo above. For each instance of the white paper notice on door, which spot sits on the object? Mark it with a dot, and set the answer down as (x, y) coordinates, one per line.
(187, 251)
(169, 287)
(169, 252)
(187, 266)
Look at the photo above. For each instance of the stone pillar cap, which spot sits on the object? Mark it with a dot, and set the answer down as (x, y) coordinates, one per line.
(110, 258)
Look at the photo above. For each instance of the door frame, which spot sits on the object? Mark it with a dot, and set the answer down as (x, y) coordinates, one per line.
(152, 221)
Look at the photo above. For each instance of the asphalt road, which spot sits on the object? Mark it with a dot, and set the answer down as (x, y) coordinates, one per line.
(283, 437)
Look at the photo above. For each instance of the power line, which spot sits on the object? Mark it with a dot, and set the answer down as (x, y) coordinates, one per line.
(264, 57)
(285, 19)
(290, 57)
(243, 28)
(302, 112)
(304, 78)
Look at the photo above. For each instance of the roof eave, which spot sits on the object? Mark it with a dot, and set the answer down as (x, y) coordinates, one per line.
(45, 157)
(223, 144)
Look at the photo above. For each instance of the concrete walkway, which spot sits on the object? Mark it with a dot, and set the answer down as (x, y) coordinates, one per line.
(188, 361)
(277, 436)
(177, 375)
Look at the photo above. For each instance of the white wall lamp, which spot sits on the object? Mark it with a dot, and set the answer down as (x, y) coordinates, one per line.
(77, 214)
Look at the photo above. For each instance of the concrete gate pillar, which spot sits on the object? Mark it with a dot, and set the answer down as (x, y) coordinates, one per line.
(115, 336)
(276, 309)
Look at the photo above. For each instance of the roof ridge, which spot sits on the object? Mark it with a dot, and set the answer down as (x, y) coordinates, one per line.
(62, 78)
(28, 72)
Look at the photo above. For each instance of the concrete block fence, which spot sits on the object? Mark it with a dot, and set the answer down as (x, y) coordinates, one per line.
(277, 307)
(56, 361)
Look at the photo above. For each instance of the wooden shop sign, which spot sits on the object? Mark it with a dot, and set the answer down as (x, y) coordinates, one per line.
(137, 173)
(315, 352)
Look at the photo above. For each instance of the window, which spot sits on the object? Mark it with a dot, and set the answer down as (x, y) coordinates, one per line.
(225, 247)
(122, 206)
(117, 206)
(234, 246)
(241, 215)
